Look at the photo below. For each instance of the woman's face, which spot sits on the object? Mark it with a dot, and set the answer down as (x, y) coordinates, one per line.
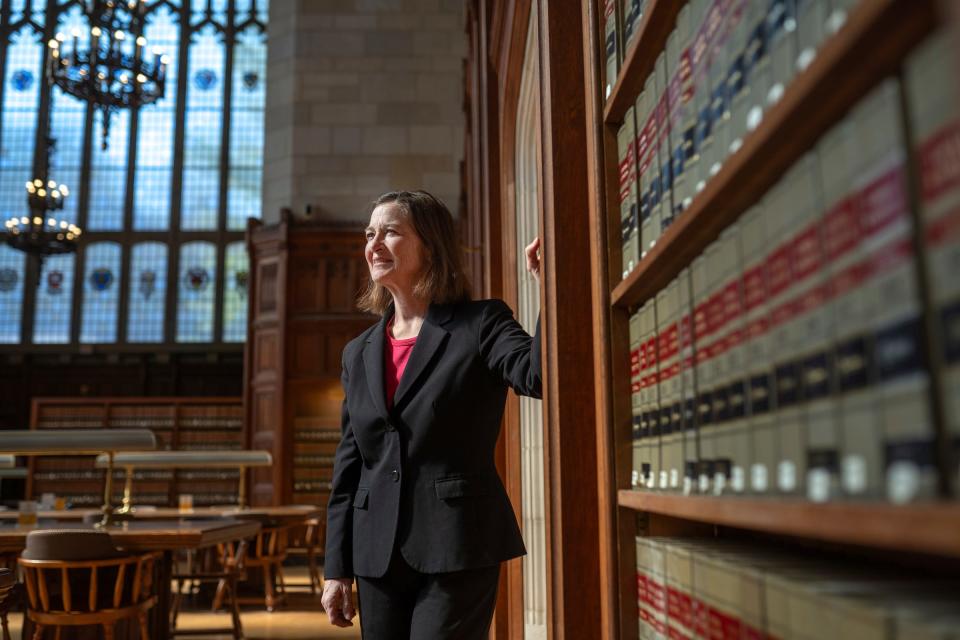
(394, 251)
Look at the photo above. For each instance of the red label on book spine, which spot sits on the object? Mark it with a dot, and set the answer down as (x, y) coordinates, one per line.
(939, 158)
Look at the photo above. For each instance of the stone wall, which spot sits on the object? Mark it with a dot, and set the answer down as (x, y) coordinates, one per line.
(363, 96)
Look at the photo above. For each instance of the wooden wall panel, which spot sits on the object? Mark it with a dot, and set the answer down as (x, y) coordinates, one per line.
(306, 285)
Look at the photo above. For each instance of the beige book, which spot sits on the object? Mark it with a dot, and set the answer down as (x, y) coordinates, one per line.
(610, 45)
(902, 382)
(933, 99)
(635, 400)
(688, 390)
(627, 195)
(646, 168)
(757, 351)
(700, 295)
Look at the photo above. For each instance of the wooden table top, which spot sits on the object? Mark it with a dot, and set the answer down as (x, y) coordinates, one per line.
(143, 535)
(286, 514)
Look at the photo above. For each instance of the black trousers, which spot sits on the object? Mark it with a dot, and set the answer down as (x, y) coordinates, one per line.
(408, 605)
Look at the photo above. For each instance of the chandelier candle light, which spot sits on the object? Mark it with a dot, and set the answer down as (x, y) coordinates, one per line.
(114, 72)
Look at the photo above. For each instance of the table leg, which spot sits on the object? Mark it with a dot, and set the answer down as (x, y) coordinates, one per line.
(161, 612)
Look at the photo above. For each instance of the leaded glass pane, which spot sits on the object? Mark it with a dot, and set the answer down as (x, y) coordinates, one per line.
(21, 95)
(66, 126)
(235, 293)
(196, 292)
(108, 178)
(246, 128)
(11, 293)
(152, 183)
(101, 293)
(51, 324)
(148, 290)
(204, 126)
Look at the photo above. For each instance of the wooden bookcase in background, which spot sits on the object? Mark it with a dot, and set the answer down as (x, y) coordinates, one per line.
(306, 278)
(871, 45)
(179, 424)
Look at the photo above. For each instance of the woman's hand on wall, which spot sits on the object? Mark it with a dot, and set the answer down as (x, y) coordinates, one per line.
(533, 258)
(337, 601)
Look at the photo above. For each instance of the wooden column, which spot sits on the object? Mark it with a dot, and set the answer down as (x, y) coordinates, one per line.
(568, 321)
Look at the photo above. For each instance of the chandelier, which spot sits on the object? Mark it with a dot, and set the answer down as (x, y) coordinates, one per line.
(113, 73)
(40, 233)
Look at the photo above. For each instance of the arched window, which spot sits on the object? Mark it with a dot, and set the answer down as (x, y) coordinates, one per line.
(164, 206)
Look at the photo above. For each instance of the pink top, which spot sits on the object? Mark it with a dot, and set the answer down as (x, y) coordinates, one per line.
(395, 355)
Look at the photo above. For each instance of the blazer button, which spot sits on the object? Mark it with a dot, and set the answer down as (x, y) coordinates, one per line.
(390, 427)
(395, 475)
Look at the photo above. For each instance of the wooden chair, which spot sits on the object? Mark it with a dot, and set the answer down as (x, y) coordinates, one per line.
(308, 539)
(266, 552)
(72, 591)
(201, 567)
(8, 580)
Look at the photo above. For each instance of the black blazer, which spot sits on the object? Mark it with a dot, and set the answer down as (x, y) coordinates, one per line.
(422, 475)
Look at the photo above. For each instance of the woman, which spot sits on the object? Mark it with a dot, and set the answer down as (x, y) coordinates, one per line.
(417, 513)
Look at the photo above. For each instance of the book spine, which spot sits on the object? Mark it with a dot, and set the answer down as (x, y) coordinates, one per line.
(934, 102)
(688, 389)
(626, 153)
(670, 409)
(636, 402)
(610, 45)
(746, 42)
(678, 72)
(782, 45)
(734, 363)
(812, 18)
(644, 170)
(664, 157)
(705, 449)
(900, 365)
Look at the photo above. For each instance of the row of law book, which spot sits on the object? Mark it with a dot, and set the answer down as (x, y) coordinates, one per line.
(814, 348)
(726, 63)
(713, 588)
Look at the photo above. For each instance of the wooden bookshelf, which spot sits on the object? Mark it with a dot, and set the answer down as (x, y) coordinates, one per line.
(870, 46)
(179, 423)
(926, 528)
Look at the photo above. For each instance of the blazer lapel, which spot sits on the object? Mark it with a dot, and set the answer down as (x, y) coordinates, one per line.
(373, 364)
(431, 337)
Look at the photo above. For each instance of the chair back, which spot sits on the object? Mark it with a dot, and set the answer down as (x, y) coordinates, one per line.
(89, 576)
(8, 580)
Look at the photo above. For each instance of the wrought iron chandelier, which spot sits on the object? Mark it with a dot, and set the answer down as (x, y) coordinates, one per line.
(113, 73)
(41, 234)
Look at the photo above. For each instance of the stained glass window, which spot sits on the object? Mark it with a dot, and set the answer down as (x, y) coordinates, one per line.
(196, 288)
(11, 294)
(246, 127)
(236, 274)
(148, 289)
(201, 157)
(51, 323)
(191, 162)
(101, 292)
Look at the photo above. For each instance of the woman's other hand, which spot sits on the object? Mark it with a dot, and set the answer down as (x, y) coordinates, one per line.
(337, 601)
(533, 258)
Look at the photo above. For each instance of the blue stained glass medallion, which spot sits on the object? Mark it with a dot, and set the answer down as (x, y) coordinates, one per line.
(101, 279)
(22, 80)
(55, 282)
(250, 80)
(148, 283)
(240, 278)
(196, 279)
(205, 79)
(8, 279)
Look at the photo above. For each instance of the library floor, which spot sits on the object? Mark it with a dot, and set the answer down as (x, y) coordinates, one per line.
(300, 619)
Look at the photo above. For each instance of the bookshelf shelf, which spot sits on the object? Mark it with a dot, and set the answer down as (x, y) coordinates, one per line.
(180, 423)
(638, 61)
(870, 45)
(927, 528)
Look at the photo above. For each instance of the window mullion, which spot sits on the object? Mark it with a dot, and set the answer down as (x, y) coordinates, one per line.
(176, 197)
(230, 40)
